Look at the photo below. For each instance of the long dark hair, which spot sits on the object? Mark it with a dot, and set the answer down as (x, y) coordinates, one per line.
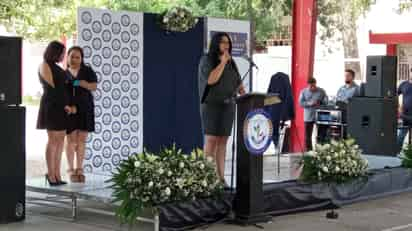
(53, 52)
(80, 50)
(214, 48)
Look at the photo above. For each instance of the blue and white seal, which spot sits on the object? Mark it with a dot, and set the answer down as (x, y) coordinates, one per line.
(257, 131)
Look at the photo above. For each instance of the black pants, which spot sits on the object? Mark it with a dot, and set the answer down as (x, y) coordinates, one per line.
(321, 138)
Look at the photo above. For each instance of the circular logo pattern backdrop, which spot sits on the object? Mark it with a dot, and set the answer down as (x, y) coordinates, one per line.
(257, 131)
(111, 42)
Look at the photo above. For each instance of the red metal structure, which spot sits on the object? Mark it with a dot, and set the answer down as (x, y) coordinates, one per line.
(391, 40)
(303, 47)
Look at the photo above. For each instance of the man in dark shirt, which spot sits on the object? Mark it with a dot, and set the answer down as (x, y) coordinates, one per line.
(405, 89)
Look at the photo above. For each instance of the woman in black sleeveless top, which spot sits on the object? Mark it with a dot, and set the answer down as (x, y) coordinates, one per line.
(219, 82)
(82, 81)
(54, 109)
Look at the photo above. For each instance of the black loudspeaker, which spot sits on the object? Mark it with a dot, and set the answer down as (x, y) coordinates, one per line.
(12, 164)
(362, 89)
(10, 65)
(372, 123)
(381, 76)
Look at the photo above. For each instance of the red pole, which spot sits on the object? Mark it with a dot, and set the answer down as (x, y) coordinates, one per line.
(391, 49)
(303, 47)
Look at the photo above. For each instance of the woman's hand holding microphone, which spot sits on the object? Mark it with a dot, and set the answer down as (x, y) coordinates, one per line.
(225, 57)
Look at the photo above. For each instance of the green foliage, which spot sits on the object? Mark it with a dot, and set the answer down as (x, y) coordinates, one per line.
(405, 5)
(42, 19)
(337, 162)
(340, 15)
(406, 156)
(50, 19)
(146, 180)
(32, 101)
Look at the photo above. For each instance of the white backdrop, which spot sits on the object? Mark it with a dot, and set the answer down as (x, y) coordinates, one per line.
(113, 47)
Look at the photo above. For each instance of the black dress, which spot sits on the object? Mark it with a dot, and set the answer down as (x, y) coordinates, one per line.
(83, 99)
(51, 112)
(217, 109)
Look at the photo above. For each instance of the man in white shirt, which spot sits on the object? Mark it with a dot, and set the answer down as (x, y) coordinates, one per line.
(350, 89)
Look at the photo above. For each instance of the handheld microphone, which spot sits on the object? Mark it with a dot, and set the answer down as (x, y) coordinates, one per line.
(250, 61)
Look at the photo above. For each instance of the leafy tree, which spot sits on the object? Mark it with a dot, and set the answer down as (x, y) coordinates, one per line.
(50, 19)
(338, 20)
(42, 19)
(405, 5)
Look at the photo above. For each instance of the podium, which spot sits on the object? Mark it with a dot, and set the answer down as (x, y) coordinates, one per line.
(248, 204)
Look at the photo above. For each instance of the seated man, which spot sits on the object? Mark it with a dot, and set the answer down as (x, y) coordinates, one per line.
(350, 89)
(345, 93)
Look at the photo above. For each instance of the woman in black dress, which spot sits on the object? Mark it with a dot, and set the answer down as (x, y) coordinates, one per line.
(82, 81)
(54, 109)
(219, 82)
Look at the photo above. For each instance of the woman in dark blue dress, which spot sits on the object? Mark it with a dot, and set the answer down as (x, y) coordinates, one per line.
(55, 106)
(82, 81)
(219, 82)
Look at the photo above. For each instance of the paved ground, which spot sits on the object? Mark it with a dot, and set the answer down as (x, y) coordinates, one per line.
(389, 214)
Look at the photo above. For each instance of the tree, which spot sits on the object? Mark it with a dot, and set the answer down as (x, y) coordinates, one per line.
(405, 5)
(264, 14)
(42, 19)
(338, 20)
(50, 19)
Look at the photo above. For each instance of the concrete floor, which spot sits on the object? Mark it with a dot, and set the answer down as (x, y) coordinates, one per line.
(389, 214)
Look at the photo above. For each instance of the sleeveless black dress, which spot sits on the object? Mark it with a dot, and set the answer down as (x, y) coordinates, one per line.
(83, 99)
(217, 109)
(51, 112)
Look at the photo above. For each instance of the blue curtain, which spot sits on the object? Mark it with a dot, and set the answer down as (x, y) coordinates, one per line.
(171, 101)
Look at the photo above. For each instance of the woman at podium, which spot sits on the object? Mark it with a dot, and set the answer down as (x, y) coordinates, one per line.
(219, 83)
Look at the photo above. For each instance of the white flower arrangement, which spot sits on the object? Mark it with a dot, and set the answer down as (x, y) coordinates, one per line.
(147, 180)
(335, 162)
(178, 19)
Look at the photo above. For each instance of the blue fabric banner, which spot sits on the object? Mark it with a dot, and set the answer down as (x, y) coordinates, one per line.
(171, 101)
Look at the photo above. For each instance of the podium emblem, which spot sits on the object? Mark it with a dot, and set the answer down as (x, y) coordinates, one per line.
(257, 131)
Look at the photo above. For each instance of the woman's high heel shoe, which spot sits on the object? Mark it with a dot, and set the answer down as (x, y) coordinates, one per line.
(81, 177)
(56, 183)
(73, 177)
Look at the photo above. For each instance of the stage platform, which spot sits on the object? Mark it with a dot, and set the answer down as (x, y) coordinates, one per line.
(95, 189)
(283, 192)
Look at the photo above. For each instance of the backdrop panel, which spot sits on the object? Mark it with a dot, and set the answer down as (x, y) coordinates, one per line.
(113, 47)
(171, 113)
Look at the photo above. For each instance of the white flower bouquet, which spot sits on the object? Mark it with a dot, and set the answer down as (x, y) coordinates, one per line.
(337, 162)
(178, 19)
(147, 180)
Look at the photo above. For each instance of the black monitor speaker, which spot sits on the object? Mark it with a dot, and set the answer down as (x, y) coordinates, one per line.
(372, 123)
(381, 76)
(12, 164)
(11, 70)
